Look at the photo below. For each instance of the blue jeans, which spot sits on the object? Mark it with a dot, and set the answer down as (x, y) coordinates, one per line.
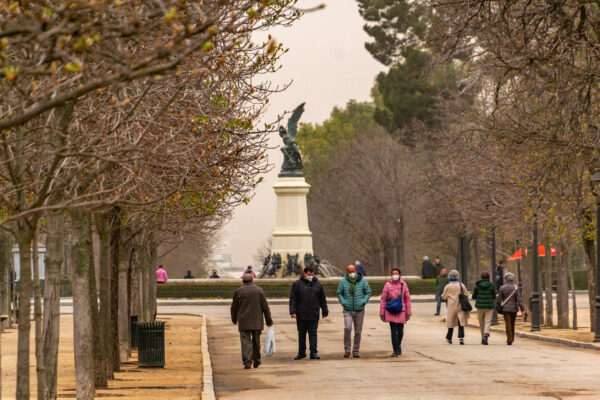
(439, 305)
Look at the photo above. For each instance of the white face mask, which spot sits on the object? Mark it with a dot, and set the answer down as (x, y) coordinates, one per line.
(310, 277)
(395, 277)
(352, 275)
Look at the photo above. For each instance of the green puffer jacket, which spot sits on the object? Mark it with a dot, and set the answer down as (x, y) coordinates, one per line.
(440, 284)
(484, 294)
(354, 303)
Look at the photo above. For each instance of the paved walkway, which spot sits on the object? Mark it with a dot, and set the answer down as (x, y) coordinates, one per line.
(428, 369)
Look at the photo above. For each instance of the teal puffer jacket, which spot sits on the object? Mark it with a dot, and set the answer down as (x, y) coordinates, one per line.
(357, 302)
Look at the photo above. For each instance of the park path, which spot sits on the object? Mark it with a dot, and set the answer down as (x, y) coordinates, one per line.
(428, 369)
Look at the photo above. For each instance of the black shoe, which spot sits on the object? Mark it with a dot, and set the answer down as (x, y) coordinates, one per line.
(484, 341)
(314, 356)
(436, 314)
(509, 343)
(399, 352)
(300, 357)
(449, 341)
(394, 354)
(461, 341)
(256, 363)
(247, 365)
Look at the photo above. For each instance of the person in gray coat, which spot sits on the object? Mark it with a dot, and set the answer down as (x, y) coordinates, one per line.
(507, 302)
(247, 310)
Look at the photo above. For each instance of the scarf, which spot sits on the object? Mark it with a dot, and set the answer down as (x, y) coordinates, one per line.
(453, 280)
(353, 285)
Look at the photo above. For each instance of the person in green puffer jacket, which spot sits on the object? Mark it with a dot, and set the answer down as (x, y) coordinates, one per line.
(353, 292)
(440, 283)
(484, 295)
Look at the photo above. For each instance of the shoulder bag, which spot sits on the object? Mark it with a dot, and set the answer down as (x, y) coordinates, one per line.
(500, 307)
(465, 304)
(394, 306)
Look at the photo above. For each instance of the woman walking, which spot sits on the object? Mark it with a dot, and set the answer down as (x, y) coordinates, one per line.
(455, 316)
(484, 295)
(395, 288)
(509, 298)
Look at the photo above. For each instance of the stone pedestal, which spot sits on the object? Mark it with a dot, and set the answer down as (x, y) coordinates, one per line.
(291, 234)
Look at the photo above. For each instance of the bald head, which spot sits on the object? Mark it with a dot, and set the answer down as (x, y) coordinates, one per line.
(350, 268)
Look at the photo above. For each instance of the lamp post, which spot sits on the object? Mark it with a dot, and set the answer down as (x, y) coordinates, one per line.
(519, 267)
(464, 243)
(493, 275)
(596, 182)
(535, 294)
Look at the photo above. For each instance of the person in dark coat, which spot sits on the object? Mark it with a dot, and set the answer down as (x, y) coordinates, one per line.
(359, 268)
(499, 275)
(247, 310)
(437, 266)
(307, 301)
(189, 275)
(428, 271)
(508, 302)
(214, 275)
(484, 295)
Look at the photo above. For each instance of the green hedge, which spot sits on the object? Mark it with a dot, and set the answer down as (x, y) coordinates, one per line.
(271, 289)
(66, 289)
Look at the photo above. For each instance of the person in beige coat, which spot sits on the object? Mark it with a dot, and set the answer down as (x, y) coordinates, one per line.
(455, 316)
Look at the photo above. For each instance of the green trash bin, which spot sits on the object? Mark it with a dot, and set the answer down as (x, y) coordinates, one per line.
(134, 333)
(151, 344)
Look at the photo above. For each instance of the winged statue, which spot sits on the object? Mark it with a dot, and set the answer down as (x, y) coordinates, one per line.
(292, 161)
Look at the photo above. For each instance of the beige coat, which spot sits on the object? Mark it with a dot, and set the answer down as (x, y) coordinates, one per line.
(454, 313)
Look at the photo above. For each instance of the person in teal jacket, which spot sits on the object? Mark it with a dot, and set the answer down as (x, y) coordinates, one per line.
(353, 292)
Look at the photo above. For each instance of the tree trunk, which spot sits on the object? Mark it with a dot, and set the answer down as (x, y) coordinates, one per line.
(144, 286)
(54, 258)
(37, 315)
(590, 266)
(134, 283)
(401, 242)
(549, 317)
(389, 253)
(572, 281)
(562, 288)
(104, 357)
(115, 256)
(24, 239)
(5, 263)
(83, 335)
(541, 288)
(153, 250)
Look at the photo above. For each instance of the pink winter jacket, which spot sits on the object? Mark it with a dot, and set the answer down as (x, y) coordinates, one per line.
(161, 275)
(391, 290)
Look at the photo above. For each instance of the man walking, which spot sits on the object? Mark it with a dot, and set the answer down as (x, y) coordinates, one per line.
(247, 310)
(353, 292)
(307, 298)
(437, 266)
(440, 283)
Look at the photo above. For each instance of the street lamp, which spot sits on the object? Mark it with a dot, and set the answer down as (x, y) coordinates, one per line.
(535, 294)
(519, 266)
(493, 275)
(596, 182)
(464, 251)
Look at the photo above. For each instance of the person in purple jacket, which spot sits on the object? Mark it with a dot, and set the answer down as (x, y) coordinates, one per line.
(394, 288)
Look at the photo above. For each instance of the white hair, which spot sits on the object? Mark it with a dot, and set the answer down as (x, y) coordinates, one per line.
(356, 262)
(509, 277)
(425, 258)
(453, 274)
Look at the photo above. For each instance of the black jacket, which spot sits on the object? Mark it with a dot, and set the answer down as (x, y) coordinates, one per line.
(428, 270)
(306, 298)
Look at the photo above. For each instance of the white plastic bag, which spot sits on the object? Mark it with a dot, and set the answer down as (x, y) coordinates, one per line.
(269, 348)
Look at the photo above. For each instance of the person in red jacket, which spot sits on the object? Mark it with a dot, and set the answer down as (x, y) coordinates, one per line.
(161, 275)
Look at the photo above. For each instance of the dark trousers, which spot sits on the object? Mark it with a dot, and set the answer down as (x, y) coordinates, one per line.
(250, 345)
(397, 330)
(461, 332)
(305, 327)
(509, 322)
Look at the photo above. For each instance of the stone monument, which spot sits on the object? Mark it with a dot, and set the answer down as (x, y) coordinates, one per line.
(292, 238)
(291, 245)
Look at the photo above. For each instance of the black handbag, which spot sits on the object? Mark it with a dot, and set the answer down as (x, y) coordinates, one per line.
(465, 304)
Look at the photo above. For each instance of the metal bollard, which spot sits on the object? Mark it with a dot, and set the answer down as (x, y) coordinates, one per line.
(151, 344)
(133, 331)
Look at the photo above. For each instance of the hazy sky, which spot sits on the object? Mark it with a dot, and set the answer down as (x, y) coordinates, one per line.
(328, 65)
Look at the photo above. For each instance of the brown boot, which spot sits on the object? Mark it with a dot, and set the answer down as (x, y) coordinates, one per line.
(355, 355)
(347, 354)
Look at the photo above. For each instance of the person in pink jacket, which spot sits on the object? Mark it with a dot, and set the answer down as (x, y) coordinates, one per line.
(161, 275)
(393, 289)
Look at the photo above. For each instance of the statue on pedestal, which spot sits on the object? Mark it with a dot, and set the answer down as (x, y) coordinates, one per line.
(292, 161)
